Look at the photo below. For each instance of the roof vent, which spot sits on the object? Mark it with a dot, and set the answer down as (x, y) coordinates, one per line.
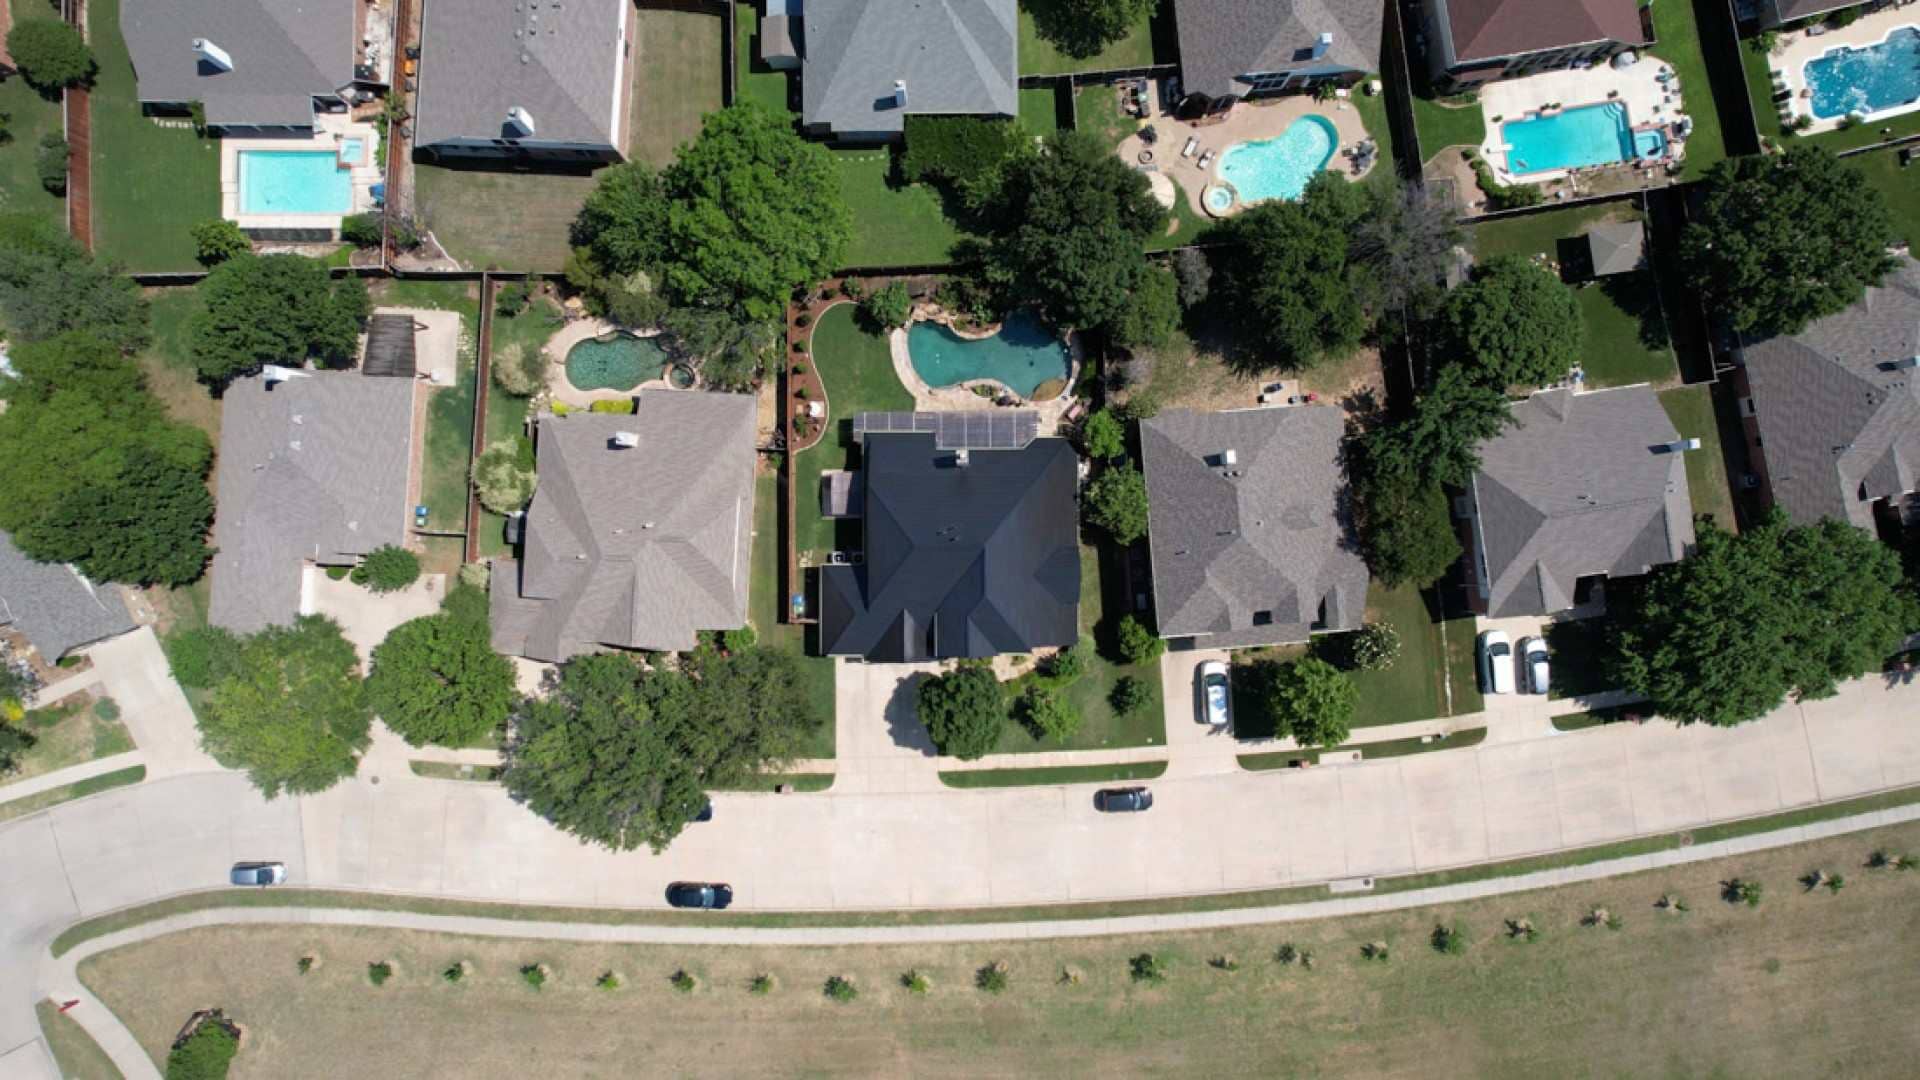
(1229, 459)
(1680, 446)
(520, 122)
(962, 458)
(899, 93)
(274, 373)
(625, 440)
(212, 55)
(1321, 46)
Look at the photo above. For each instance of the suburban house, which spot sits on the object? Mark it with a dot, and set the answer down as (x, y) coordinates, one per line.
(865, 65)
(255, 65)
(1776, 13)
(532, 80)
(1582, 487)
(970, 543)
(1475, 41)
(639, 533)
(54, 607)
(1833, 413)
(314, 470)
(1248, 526)
(1236, 49)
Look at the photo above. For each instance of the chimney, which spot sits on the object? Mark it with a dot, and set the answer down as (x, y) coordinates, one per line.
(521, 122)
(961, 459)
(209, 53)
(626, 440)
(1321, 46)
(899, 93)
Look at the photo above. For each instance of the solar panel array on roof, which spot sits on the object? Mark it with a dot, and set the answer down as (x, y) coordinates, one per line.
(1001, 430)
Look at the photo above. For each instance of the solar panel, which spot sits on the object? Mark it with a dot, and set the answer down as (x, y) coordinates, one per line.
(1009, 429)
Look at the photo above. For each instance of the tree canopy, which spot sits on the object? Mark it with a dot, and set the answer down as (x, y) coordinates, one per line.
(294, 715)
(94, 472)
(49, 285)
(1296, 297)
(1440, 440)
(621, 754)
(1785, 239)
(1514, 324)
(50, 53)
(1407, 243)
(1081, 28)
(964, 710)
(968, 154)
(274, 309)
(436, 679)
(1406, 528)
(1725, 635)
(1117, 502)
(1313, 701)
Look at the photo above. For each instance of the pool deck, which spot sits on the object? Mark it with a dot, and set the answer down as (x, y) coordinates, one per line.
(1648, 102)
(560, 389)
(961, 397)
(332, 128)
(1788, 61)
(1250, 121)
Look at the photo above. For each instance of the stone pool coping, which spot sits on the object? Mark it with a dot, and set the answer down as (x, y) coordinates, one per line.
(960, 397)
(559, 388)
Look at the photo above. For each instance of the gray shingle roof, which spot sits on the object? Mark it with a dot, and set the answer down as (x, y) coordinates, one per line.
(1268, 534)
(635, 547)
(313, 469)
(1840, 426)
(285, 53)
(560, 61)
(956, 56)
(959, 562)
(53, 605)
(1578, 486)
(1221, 40)
(1616, 247)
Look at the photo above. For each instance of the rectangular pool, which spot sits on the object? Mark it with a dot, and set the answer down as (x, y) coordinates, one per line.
(1877, 80)
(353, 151)
(294, 182)
(1571, 139)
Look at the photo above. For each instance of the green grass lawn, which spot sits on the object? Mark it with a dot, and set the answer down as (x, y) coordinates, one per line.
(66, 735)
(1679, 44)
(1056, 774)
(151, 184)
(858, 372)
(1767, 116)
(92, 785)
(449, 436)
(678, 78)
(1900, 187)
(894, 224)
(1455, 121)
(1038, 56)
(506, 419)
(764, 599)
(1373, 116)
(1040, 110)
(29, 116)
(757, 82)
(1283, 759)
(500, 220)
(1692, 412)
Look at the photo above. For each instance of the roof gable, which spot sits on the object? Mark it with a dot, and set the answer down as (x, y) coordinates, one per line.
(955, 56)
(1222, 40)
(54, 605)
(1486, 29)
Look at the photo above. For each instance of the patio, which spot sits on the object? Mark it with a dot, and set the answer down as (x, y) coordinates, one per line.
(1787, 64)
(1650, 102)
(575, 332)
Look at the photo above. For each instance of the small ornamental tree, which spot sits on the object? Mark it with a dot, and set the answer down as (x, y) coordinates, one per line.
(1047, 713)
(51, 54)
(1375, 646)
(1117, 502)
(504, 476)
(206, 1054)
(519, 370)
(1151, 314)
(387, 569)
(1130, 695)
(1138, 644)
(1104, 436)
(888, 308)
(436, 679)
(50, 162)
(216, 240)
(1314, 701)
(964, 710)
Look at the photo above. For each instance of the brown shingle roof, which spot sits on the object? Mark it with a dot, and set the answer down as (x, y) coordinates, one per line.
(1485, 29)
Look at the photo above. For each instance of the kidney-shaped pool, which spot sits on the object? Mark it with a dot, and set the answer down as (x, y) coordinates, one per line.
(1023, 355)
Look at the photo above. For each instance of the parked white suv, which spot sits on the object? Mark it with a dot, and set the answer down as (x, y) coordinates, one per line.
(1214, 707)
(1533, 656)
(1496, 662)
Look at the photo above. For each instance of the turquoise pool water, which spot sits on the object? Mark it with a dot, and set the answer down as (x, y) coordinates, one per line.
(1870, 80)
(293, 182)
(1279, 168)
(621, 363)
(353, 151)
(1576, 138)
(1022, 355)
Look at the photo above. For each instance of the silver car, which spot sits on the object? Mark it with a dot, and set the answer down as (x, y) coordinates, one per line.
(258, 873)
(1215, 707)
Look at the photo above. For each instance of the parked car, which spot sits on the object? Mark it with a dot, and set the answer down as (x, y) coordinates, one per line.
(1496, 662)
(695, 894)
(1533, 657)
(258, 873)
(1122, 800)
(1214, 707)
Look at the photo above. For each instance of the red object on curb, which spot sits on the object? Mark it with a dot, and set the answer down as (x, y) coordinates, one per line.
(65, 1005)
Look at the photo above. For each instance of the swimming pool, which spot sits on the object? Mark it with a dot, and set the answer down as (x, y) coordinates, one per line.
(1023, 355)
(1878, 79)
(294, 182)
(1576, 138)
(613, 362)
(1279, 168)
(353, 151)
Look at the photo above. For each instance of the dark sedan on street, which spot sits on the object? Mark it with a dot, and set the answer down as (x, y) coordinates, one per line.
(695, 894)
(1125, 800)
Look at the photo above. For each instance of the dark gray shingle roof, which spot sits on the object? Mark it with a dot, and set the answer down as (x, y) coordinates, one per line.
(636, 547)
(956, 56)
(1272, 539)
(285, 53)
(1840, 424)
(1221, 40)
(314, 469)
(53, 605)
(1578, 486)
(558, 60)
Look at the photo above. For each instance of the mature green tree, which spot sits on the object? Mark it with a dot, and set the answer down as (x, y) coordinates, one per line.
(1047, 713)
(968, 154)
(1070, 223)
(295, 715)
(1727, 634)
(730, 352)
(93, 470)
(1785, 239)
(388, 568)
(888, 307)
(624, 221)
(504, 476)
(1117, 502)
(1406, 528)
(1104, 436)
(1515, 324)
(436, 679)
(216, 240)
(207, 1054)
(1314, 701)
(622, 754)
(49, 285)
(50, 53)
(202, 658)
(1440, 440)
(274, 309)
(1081, 28)
(964, 710)
(1151, 314)
(1296, 298)
(1138, 643)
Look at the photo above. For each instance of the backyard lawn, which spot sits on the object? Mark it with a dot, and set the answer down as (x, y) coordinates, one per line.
(1038, 56)
(1040, 110)
(449, 435)
(757, 82)
(1692, 412)
(894, 224)
(764, 600)
(500, 220)
(29, 116)
(1679, 44)
(678, 78)
(1900, 187)
(1444, 122)
(151, 184)
(857, 369)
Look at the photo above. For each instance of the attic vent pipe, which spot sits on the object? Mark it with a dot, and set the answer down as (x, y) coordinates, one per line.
(626, 440)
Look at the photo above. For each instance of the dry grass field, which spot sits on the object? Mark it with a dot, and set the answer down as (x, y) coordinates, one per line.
(1808, 983)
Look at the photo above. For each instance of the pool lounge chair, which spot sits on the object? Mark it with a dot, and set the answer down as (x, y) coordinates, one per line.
(1193, 143)
(1205, 160)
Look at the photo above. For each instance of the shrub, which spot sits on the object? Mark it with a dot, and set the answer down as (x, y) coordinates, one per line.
(889, 308)
(1521, 930)
(1146, 968)
(387, 569)
(201, 658)
(51, 163)
(1224, 962)
(840, 989)
(379, 972)
(1138, 645)
(622, 407)
(535, 975)
(475, 575)
(608, 981)
(304, 964)
(1046, 713)
(216, 240)
(362, 230)
(50, 53)
(207, 1054)
(1068, 664)
(992, 978)
(1376, 951)
(803, 320)
(915, 982)
(1449, 939)
(455, 971)
(964, 710)
(1116, 501)
(107, 709)
(1104, 436)
(512, 299)
(682, 981)
(520, 371)
(762, 985)
(503, 475)
(738, 640)
(1130, 695)
(1375, 646)
(1741, 891)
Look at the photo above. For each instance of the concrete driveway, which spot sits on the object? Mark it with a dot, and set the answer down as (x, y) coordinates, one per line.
(365, 616)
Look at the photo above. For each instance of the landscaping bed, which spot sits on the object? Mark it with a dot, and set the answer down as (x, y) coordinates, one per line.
(1053, 775)
(71, 731)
